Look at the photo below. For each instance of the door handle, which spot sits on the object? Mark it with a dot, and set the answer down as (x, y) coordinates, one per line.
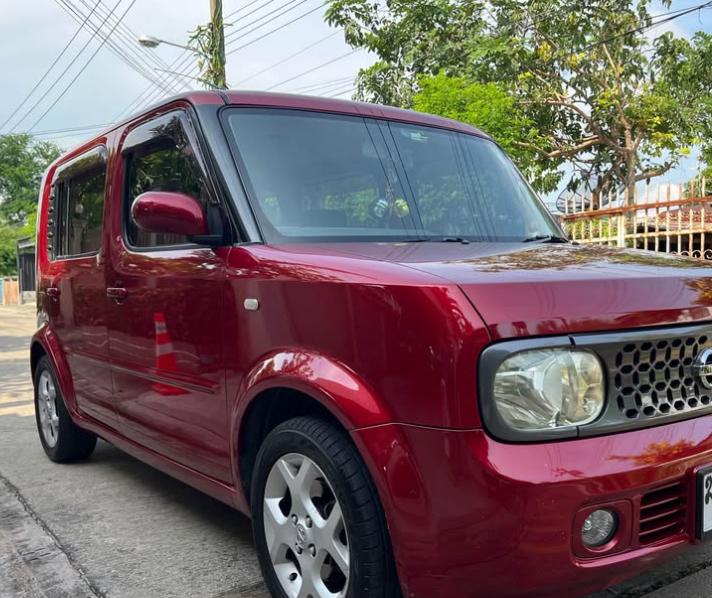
(52, 292)
(117, 293)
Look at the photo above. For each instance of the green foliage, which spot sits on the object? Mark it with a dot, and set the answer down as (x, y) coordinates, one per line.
(206, 41)
(706, 158)
(22, 163)
(489, 107)
(586, 84)
(9, 236)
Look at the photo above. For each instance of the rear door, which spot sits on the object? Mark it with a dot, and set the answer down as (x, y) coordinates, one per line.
(74, 287)
(166, 306)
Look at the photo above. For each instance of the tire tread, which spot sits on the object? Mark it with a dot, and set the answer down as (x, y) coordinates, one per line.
(373, 562)
(74, 443)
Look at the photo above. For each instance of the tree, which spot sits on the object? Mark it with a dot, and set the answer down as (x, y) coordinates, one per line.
(491, 108)
(600, 95)
(22, 163)
(706, 172)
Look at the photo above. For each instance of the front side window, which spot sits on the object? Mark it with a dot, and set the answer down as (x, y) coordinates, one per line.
(315, 176)
(79, 204)
(161, 166)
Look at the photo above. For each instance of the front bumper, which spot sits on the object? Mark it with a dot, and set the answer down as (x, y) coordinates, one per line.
(471, 516)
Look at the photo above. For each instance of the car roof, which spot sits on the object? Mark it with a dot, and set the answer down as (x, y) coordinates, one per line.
(265, 99)
(364, 109)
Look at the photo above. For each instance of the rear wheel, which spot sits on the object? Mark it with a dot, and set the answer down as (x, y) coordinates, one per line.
(61, 438)
(318, 524)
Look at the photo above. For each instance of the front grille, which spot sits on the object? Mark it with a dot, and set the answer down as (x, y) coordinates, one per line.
(663, 513)
(655, 377)
(651, 375)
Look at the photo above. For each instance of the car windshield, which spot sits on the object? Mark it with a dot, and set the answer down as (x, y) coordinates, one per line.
(317, 177)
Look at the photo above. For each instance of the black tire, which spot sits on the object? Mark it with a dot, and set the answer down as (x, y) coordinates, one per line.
(72, 442)
(372, 569)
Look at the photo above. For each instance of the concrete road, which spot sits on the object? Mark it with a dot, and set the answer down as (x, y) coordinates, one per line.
(115, 527)
(110, 526)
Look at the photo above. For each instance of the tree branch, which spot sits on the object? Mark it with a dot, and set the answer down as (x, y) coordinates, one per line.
(651, 173)
(564, 151)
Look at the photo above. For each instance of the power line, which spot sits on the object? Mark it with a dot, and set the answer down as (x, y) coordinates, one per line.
(71, 129)
(129, 37)
(183, 65)
(329, 83)
(49, 70)
(64, 72)
(268, 33)
(145, 69)
(234, 12)
(234, 32)
(325, 88)
(77, 14)
(179, 74)
(316, 68)
(161, 82)
(675, 14)
(282, 26)
(86, 64)
(74, 135)
(342, 92)
(288, 58)
(149, 93)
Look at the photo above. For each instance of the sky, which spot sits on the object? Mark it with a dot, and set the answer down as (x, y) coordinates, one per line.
(34, 32)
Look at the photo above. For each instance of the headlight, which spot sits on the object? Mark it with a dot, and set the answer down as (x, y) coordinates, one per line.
(548, 389)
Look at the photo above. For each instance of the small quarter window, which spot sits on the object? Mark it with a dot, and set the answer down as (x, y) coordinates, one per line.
(78, 206)
(85, 212)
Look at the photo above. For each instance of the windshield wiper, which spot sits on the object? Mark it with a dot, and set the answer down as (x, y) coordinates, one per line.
(438, 240)
(546, 239)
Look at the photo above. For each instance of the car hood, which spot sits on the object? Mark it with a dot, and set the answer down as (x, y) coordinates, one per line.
(548, 289)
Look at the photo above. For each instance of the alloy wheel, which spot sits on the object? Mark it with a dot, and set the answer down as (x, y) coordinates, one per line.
(47, 407)
(305, 530)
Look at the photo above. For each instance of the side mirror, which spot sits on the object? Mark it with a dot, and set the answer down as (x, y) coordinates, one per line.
(169, 212)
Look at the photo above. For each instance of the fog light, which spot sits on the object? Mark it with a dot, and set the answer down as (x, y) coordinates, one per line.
(599, 528)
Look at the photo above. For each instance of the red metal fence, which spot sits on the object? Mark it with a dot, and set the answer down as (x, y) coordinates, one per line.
(672, 219)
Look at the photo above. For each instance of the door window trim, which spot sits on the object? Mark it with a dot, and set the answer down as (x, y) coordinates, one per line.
(95, 157)
(142, 134)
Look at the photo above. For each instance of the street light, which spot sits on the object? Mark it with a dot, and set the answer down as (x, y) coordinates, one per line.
(148, 41)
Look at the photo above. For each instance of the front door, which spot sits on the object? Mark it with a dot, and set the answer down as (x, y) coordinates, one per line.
(72, 289)
(165, 308)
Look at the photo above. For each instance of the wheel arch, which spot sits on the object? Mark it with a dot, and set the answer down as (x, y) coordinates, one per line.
(289, 384)
(45, 344)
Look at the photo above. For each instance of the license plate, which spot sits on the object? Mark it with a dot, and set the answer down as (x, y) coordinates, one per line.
(704, 504)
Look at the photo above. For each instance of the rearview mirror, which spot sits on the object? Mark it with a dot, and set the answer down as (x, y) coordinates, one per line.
(169, 212)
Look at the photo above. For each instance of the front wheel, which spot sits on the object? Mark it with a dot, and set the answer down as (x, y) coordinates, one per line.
(318, 523)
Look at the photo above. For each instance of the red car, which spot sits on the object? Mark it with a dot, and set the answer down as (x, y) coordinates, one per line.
(359, 325)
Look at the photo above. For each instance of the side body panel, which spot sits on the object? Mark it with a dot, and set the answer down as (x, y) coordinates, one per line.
(383, 348)
(71, 301)
(166, 346)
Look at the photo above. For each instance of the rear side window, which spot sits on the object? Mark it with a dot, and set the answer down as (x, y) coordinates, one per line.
(161, 166)
(79, 205)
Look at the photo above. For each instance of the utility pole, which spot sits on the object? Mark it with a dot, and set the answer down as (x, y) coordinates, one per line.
(218, 44)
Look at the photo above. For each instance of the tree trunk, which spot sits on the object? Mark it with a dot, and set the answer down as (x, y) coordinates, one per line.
(630, 167)
(596, 198)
